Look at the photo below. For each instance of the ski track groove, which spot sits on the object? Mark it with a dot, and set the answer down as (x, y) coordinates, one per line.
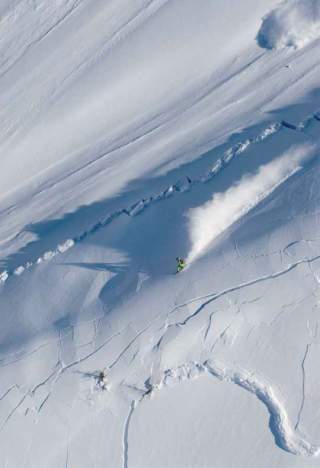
(145, 130)
(182, 185)
(130, 25)
(51, 28)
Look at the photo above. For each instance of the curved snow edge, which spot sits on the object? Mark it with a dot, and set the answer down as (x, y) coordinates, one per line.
(286, 436)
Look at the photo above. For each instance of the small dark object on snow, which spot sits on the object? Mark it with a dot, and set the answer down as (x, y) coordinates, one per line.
(102, 380)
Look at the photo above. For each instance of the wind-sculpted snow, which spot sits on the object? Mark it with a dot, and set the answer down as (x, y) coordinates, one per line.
(286, 436)
(207, 222)
(293, 23)
(31, 28)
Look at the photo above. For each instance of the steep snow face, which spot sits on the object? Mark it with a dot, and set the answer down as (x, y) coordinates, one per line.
(294, 23)
(134, 131)
(96, 95)
(208, 221)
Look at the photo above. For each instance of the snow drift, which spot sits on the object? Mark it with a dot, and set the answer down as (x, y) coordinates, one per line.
(206, 222)
(294, 23)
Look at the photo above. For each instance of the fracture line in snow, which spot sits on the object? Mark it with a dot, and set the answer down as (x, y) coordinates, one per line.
(129, 345)
(303, 385)
(125, 439)
(6, 393)
(16, 357)
(286, 436)
(59, 370)
(182, 185)
(214, 296)
(7, 419)
(89, 355)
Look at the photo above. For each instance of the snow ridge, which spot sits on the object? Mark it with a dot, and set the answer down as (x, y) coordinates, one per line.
(181, 186)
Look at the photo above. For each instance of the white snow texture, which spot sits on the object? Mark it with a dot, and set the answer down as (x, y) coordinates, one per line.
(133, 132)
(208, 221)
(294, 23)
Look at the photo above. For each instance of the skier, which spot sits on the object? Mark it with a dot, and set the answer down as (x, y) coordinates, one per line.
(180, 264)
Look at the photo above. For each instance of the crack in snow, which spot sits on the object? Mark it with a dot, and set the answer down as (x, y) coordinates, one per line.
(214, 296)
(6, 393)
(286, 436)
(7, 419)
(125, 439)
(303, 385)
(180, 186)
(124, 350)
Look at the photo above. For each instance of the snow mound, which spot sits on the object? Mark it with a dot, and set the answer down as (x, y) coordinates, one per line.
(208, 221)
(294, 23)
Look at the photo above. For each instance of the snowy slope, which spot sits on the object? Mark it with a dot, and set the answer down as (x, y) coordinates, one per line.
(132, 132)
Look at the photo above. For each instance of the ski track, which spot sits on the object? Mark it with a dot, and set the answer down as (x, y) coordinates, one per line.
(130, 25)
(124, 30)
(286, 436)
(44, 34)
(182, 185)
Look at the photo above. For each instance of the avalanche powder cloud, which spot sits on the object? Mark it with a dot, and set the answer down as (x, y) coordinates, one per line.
(208, 221)
(293, 23)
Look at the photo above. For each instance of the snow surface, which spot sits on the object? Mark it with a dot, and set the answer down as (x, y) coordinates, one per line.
(293, 23)
(133, 132)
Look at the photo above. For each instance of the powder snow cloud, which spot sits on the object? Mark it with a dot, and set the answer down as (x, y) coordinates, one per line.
(208, 221)
(294, 23)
